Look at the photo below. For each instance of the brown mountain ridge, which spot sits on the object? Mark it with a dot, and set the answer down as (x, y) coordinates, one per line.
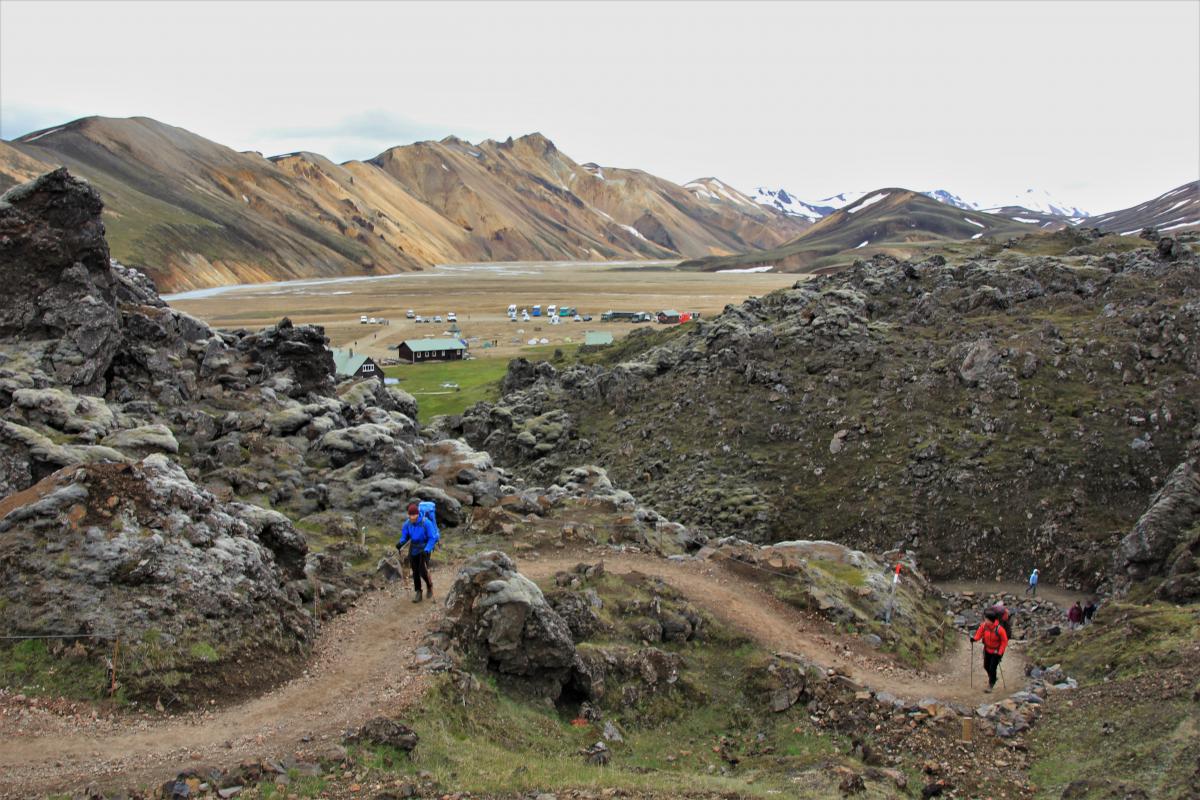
(194, 213)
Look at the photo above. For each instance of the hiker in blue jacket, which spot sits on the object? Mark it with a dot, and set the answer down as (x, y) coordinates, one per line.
(1033, 582)
(422, 536)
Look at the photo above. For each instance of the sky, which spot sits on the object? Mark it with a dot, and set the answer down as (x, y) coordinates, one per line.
(1097, 103)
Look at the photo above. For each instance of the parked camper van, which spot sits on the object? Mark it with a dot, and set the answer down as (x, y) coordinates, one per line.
(451, 317)
(362, 320)
(537, 311)
(512, 309)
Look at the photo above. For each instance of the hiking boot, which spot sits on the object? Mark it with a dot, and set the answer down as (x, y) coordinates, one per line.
(417, 596)
(429, 592)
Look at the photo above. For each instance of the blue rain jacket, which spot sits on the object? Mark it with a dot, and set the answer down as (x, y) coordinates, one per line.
(422, 536)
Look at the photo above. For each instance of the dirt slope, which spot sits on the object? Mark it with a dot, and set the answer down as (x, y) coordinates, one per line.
(361, 669)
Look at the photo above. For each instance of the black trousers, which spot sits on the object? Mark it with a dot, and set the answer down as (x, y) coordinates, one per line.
(420, 569)
(991, 663)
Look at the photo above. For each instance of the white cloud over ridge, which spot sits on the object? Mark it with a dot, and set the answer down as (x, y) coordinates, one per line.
(1099, 103)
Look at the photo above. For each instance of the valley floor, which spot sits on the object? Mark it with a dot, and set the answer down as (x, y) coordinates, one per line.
(363, 668)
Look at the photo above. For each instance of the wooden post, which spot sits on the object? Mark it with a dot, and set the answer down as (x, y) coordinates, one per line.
(967, 728)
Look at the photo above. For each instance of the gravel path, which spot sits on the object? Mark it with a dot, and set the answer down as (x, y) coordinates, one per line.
(363, 668)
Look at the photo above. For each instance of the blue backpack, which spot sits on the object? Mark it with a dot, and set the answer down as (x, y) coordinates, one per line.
(427, 509)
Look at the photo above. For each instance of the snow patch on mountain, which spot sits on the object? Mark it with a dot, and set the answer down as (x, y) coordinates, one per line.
(1038, 200)
(787, 203)
(950, 199)
(870, 201)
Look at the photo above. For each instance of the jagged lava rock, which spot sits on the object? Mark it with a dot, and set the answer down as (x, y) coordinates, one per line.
(55, 280)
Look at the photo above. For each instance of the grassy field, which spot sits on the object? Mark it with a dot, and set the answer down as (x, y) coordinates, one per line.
(450, 387)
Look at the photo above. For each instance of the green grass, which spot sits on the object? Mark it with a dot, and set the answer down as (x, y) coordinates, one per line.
(490, 743)
(30, 668)
(203, 651)
(1150, 743)
(1126, 640)
(477, 379)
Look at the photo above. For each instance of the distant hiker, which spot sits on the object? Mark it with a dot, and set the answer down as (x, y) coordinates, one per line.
(995, 642)
(1075, 616)
(1089, 611)
(1004, 616)
(1032, 587)
(422, 537)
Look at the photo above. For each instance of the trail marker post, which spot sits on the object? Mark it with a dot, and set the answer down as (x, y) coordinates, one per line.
(887, 616)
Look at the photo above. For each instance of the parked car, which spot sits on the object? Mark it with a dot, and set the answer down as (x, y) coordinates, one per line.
(450, 317)
(362, 320)
(587, 317)
(437, 317)
(419, 319)
(409, 314)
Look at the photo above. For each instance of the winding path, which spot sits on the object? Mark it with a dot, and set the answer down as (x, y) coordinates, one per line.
(362, 667)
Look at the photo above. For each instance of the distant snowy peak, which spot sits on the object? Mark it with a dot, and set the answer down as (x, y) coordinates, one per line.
(1038, 200)
(785, 202)
(943, 196)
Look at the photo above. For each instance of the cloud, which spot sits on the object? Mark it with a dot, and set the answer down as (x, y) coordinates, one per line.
(357, 136)
(16, 120)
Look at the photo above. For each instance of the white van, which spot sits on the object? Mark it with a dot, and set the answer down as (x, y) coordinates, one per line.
(450, 317)
(362, 320)
(512, 309)
(410, 314)
(551, 310)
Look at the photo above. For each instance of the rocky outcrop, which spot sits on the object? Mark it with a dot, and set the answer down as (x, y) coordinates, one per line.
(983, 414)
(139, 552)
(56, 286)
(1164, 545)
(502, 617)
(298, 351)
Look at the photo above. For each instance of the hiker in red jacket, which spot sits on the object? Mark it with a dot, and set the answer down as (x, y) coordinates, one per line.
(995, 642)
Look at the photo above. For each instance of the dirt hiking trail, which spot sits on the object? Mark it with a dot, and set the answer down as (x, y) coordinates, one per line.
(362, 667)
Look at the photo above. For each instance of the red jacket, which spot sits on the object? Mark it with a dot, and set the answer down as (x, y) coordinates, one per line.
(995, 638)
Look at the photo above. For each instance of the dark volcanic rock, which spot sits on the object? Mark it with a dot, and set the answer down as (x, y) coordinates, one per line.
(502, 616)
(55, 280)
(1165, 542)
(984, 415)
(299, 351)
(139, 551)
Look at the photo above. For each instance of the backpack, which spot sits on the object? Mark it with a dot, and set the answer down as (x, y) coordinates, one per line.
(427, 509)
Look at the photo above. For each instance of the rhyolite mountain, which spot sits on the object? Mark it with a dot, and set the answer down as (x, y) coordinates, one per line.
(1037, 201)
(1172, 212)
(194, 213)
(888, 220)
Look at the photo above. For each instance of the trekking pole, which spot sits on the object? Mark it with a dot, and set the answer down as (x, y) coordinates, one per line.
(972, 663)
(1003, 682)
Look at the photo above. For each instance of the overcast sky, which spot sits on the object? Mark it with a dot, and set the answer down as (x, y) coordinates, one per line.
(1098, 103)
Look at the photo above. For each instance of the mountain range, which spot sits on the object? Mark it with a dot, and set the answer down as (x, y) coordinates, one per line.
(193, 213)
(1038, 201)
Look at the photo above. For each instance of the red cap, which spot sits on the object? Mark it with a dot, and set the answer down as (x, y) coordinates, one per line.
(412, 508)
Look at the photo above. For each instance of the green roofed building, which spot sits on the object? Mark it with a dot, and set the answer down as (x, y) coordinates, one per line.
(417, 350)
(597, 339)
(347, 364)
